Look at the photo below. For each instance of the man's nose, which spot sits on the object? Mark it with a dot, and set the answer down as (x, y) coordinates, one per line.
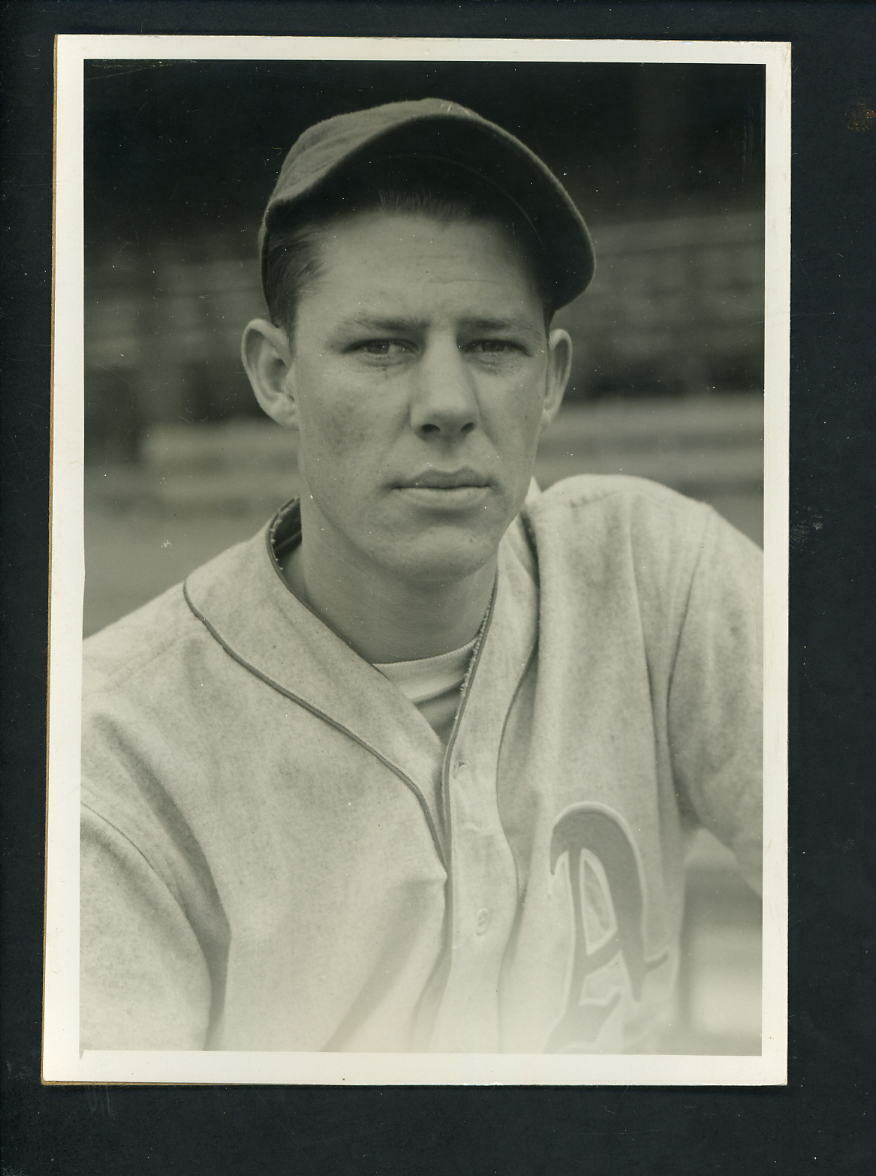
(443, 399)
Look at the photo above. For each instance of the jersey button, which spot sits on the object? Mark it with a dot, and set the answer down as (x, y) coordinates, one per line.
(482, 921)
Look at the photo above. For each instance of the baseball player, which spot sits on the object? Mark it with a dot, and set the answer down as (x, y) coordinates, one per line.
(415, 767)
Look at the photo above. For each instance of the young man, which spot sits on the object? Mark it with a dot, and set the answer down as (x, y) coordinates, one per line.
(415, 767)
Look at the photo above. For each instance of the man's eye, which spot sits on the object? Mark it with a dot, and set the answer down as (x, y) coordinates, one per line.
(494, 346)
(383, 348)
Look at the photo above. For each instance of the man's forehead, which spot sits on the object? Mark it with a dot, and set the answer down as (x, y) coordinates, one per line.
(377, 322)
(386, 302)
(412, 229)
(400, 266)
(393, 251)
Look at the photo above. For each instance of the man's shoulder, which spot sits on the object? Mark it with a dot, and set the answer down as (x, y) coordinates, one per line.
(604, 528)
(609, 530)
(143, 644)
(128, 645)
(623, 498)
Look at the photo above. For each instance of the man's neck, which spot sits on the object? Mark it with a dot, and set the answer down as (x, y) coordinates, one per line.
(384, 617)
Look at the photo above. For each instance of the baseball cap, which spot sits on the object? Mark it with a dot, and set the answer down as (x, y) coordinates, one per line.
(444, 130)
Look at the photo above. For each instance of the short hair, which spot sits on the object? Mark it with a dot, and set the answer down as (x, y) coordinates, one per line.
(407, 184)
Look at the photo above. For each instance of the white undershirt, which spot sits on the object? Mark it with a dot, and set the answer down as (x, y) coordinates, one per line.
(432, 684)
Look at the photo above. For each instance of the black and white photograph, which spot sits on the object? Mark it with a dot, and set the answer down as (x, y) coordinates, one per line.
(419, 573)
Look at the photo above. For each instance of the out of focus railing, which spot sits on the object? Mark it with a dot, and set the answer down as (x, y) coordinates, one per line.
(676, 307)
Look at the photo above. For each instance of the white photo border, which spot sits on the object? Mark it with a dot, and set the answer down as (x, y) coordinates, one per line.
(62, 1060)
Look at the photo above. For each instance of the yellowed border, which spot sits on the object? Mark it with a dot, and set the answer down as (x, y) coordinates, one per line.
(62, 1061)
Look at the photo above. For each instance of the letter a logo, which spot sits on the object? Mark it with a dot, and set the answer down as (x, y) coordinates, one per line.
(599, 833)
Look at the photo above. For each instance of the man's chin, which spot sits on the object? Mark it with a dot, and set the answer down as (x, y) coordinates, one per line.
(448, 558)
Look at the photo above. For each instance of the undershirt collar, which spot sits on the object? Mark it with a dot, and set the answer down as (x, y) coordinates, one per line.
(433, 684)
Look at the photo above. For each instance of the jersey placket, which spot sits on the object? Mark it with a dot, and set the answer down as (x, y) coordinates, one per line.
(483, 888)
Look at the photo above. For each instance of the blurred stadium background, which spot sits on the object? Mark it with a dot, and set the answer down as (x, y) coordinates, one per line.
(667, 163)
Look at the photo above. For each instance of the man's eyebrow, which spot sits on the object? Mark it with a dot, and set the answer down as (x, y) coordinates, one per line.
(511, 323)
(389, 323)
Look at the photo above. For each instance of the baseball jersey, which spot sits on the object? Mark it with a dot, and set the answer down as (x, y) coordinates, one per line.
(277, 855)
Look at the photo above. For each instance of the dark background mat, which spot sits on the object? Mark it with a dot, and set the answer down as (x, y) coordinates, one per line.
(823, 1121)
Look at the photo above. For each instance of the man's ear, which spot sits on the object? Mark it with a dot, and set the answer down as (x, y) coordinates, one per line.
(559, 367)
(267, 358)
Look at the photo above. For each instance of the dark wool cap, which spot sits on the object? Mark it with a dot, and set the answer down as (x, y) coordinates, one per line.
(444, 130)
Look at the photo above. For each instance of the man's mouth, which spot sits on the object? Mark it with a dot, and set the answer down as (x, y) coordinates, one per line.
(434, 479)
(445, 491)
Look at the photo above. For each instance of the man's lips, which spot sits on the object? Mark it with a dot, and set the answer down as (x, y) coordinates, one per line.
(444, 480)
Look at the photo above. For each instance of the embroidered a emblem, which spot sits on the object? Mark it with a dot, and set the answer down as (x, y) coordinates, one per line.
(607, 896)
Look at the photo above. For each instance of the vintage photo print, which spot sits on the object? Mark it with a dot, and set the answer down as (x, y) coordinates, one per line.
(419, 562)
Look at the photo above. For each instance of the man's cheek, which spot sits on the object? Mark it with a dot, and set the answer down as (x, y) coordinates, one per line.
(334, 453)
(328, 433)
(521, 407)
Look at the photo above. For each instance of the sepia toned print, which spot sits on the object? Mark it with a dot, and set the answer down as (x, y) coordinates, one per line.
(424, 715)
